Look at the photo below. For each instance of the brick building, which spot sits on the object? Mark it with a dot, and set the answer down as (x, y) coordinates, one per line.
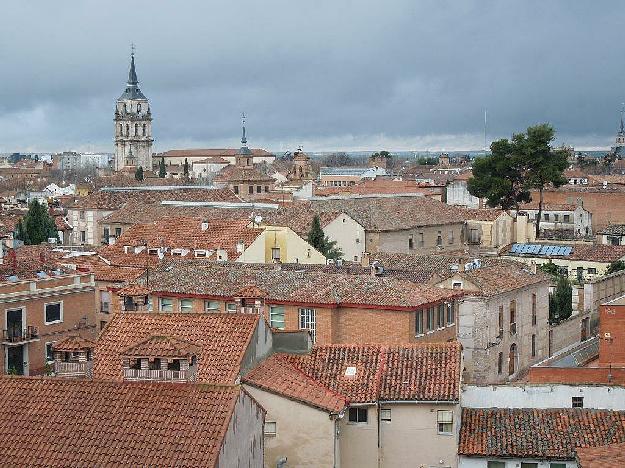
(333, 307)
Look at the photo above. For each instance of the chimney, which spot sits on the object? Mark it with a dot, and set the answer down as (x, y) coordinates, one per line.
(366, 259)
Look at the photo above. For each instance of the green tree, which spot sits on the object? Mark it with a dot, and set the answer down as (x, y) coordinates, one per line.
(37, 226)
(561, 301)
(186, 169)
(320, 241)
(162, 170)
(550, 269)
(517, 166)
(139, 173)
(613, 267)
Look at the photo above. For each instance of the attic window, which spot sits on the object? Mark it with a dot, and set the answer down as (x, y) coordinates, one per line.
(200, 253)
(152, 251)
(127, 248)
(350, 372)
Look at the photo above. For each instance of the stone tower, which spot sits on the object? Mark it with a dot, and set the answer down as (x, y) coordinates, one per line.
(133, 126)
(619, 143)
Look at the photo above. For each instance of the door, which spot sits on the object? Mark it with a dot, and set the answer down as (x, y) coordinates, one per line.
(15, 360)
(15, 326)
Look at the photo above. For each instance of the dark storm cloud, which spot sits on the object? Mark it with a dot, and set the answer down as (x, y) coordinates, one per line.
(330, 74)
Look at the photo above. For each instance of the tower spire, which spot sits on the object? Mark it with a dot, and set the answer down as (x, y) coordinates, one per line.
(132, 74)
(243, 138)
(622, 110)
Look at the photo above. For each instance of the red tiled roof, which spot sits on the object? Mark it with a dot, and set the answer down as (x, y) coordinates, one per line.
(222, 339)
(62, 422)
(162, 346)
(606, 456)
(73, 343)
(277, 375)
(537, 433)
(503, 276)
(481, 214)
(421, 372)
(242, 174)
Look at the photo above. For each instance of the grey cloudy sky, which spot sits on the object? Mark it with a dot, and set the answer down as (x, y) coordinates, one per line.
(329, 74)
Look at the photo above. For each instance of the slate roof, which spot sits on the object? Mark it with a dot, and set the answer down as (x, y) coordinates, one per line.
(307, 286)
(222, 340)
(553, 434)
(61, 422)
(411, 372)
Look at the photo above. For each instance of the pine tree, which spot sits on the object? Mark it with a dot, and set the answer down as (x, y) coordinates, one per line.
(321, 242)
(37, 226)
(186, 169)
(162, 171)
(139, 173)
(561, 301)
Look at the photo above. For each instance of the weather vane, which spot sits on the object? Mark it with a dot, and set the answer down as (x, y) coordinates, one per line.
(132, 48)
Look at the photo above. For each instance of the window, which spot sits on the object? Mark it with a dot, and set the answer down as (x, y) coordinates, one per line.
(259, 189)
(500, 321)
(450, 313)
(107, 233)
(210, 306)
(445, 420)
(533, 345)
(81, 215)
(136, 129)
(577, 402)
(592, 271)
(500, 363)
(102, 324)
(118, 232)
(53, 312)
(250, 189)
(557, 465)
(419, 323)
(385, 414)
(143, 129)
(533, 308)
(270, 428)
(512, 358)
(546, 216)
(236, 189)
(266, 188)
(83, 236)
(556, 217)
(456, 285)
(275, 254)
(439, 239)
(420, 239)
(529, 465)
(512, 317)
(441, 316)
(567, 218)
(430, 319)
(307, 321)
(49, 351)
(450, 237)
(231, 307)
(167, 304)
(276, 317)
(495, 464)
(357, 415)
(186, 305)
(410, 242)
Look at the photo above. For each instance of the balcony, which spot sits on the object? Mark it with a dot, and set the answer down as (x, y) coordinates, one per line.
(161, 375)
(73, 369)
(18, 337)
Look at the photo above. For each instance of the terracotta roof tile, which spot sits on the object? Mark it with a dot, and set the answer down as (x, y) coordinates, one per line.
(553, 434)
(162, 346)
(421, 372)
(62, 422)
(73, 343)
(606, 456)
(222, 339)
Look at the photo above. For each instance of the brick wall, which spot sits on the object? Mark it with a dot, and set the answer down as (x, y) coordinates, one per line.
(577, 375)
(612, 321)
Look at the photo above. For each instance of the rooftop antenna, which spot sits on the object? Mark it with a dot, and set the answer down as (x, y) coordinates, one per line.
(485, 126)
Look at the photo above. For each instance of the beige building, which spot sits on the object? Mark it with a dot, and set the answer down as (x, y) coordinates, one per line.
(503, 320)
(361, 406)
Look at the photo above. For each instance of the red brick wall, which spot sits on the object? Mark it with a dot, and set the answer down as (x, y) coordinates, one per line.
(606, 207)
(612, 321)
(577, 375)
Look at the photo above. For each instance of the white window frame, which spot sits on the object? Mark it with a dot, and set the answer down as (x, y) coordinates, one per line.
(443, 421)
(307, 320)
(269, 433)
(185, 309)
(45, 321)
(207, 307)
(45, 352)
(231, 307)
(272, 313)
(385, 415)
(160, 304)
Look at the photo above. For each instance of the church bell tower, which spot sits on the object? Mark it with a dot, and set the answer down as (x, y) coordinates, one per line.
(133, 126)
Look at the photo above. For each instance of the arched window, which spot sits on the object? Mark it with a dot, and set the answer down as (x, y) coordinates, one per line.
(512, 360)
(121, 129)
(136, 129)
(144, 129)
(138, 107)
(127, 130)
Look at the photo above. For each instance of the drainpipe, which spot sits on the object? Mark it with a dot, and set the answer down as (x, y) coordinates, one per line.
(379, 436)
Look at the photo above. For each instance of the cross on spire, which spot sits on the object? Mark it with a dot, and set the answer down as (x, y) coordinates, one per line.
(132, 48)
(622, 110)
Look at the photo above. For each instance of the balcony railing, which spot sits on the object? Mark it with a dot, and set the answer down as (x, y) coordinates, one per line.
(160, 375)
(13, 336)
(73, 369)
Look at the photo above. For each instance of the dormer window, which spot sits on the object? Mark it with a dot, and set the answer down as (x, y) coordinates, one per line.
(200, 254)
(161, 358)
(152, 251)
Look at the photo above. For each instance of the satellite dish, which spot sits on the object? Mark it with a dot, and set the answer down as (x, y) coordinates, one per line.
(258, 219)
